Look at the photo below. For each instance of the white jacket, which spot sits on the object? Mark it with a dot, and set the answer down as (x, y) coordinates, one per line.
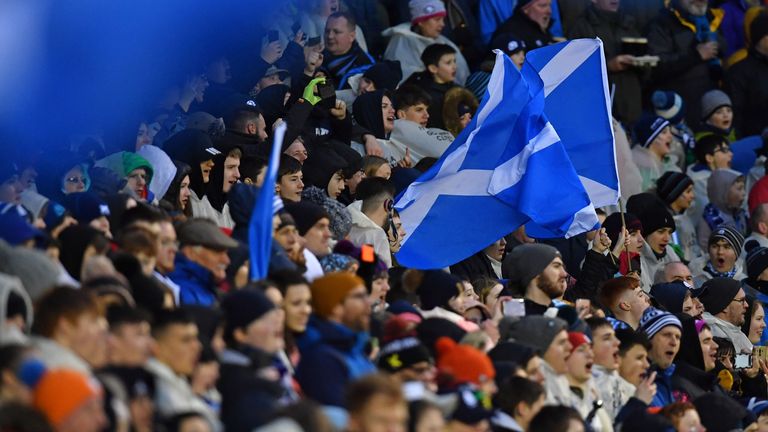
(422, 142)
(724, 329)
(406, 46)
(55, 356)
(613, 390)
(651, 167)
(366, 231)
(649, 264)
(174, 395)
(556, 386)
(203, 208)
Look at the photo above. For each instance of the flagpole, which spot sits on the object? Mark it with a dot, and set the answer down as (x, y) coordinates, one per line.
(623, 229)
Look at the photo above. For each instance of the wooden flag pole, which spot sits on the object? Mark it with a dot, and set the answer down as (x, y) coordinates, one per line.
(624, 228)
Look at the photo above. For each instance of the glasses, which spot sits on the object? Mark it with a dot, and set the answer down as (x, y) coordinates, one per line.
(75, 179)
(740, 300)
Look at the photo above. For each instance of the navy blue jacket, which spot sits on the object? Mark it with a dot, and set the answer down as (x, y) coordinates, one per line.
(331, 356)
(196, 282)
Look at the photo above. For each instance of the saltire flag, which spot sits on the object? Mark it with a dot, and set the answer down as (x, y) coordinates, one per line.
(260, 226)
(578, 104)
(506, 168)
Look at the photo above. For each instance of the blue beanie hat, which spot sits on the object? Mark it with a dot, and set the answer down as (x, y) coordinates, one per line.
(669, 105)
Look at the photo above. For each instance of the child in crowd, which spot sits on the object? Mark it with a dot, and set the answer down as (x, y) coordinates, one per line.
(439, 77)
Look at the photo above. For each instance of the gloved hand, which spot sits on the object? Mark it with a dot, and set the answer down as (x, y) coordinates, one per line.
(309, 91)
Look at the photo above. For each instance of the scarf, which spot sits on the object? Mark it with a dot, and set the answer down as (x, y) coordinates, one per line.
(709, 268)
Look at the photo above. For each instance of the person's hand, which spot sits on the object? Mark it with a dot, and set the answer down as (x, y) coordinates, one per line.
(583, 307)
(707, 50)
(372, 146)
(310, 90)
(405, 162)
(299, 38)
(646, 389)
(520, 235)
(601, 242)
(620, 63)
(312, 60)
(339, 110)
(272, 51)
(622, 243)
(758, 366)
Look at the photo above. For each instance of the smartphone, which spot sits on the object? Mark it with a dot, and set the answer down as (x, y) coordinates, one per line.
(514, 308)
(273, 35)
(743, 361)
(328, 95)
(313, 41)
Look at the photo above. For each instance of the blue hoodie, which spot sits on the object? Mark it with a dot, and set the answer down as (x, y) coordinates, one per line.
(195, 281)
(663, 383)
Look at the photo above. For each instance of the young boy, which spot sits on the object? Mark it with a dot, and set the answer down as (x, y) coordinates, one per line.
(651, 151)
(440, 63)
(677, 192)
(413, 105)
(289, 183)
(712, 152)
(716, 115)
(625, 299)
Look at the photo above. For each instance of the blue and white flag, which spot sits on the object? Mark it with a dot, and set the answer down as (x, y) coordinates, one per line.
(507, 167)
(578, 104)
(260, 226)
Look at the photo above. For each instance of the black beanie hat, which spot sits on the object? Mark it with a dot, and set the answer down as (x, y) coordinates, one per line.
(730, 235)
(718, 294)
(385, 74)
(403, 353)
(305, 214)
(243, 307)
(758, 29)
(612, 225)
(757, 259)
(671, 185)
(652, 212)
(85, 206)
(432, 329)
(437, 288)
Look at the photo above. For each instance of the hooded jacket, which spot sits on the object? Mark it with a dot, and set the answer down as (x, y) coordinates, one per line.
(192, 147)
(717, 212)
(367, 112)
(320, 167)
(170, 201)
(271, 100)
(365, 231)
(124, 162)
(650, 263)
(406, 46)
(10, 285)
(51, 172)
(163, 169)
(331, 356)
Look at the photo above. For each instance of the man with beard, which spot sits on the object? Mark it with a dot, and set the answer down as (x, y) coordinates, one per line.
(333, 347)
(687, 40)
(537, 272)
(725, 304)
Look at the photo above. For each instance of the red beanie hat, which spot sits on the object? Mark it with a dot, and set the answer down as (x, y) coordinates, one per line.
(463, 362)
(577, 339)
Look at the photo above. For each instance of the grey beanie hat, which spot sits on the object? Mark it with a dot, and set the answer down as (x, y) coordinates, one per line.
(527, 261)
(711, 101)
(537, 331)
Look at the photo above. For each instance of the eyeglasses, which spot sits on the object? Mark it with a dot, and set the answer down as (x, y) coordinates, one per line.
(740, 300)
(75, 179)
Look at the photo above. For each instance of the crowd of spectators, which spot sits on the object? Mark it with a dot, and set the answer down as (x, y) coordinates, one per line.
(127, 303)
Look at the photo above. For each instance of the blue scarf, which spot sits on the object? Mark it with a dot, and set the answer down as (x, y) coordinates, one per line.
(709, 268)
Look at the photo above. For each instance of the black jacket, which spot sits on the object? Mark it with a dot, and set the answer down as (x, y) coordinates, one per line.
(681, 68)
(747, 83)
(522, 27)
(597, 268)
(474, 268)
(611, 28)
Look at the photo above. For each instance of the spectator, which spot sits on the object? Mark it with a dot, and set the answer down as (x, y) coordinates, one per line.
(408, 40)
(486, 263)
(530, 22)
(312, 223)
(290, 181)
(726, 192)
(175, 354)
(134, 170)
(196, 149)
(722, 260)
(713, 152)
(518, 402)
(71, 331)
(663, 330)
(603, 19)
(371, 214)
(176, 199)
(376, 402)
(458, 365)
(129, 337)
(755, 283)
(651, 150)
(557, 418)
(343, 56)
(754, 322)
(683, 416)
(410, 361)
(438, 77)
(583, 389)
(168, 247)
(550, 337)
(716, 115)
(676, 190)
(671, 106)
(202, 261)
(459, 106)
(224, 174)
(325, 171)
(537, 272)
(695, 362)
(249, 375)
(70, 400)
(746, 80)
(758, 222)
(658, 226)
(339, 330)
(674, 297)
(625, 299)
(725, 304)
(689, 53)
(633, 357)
